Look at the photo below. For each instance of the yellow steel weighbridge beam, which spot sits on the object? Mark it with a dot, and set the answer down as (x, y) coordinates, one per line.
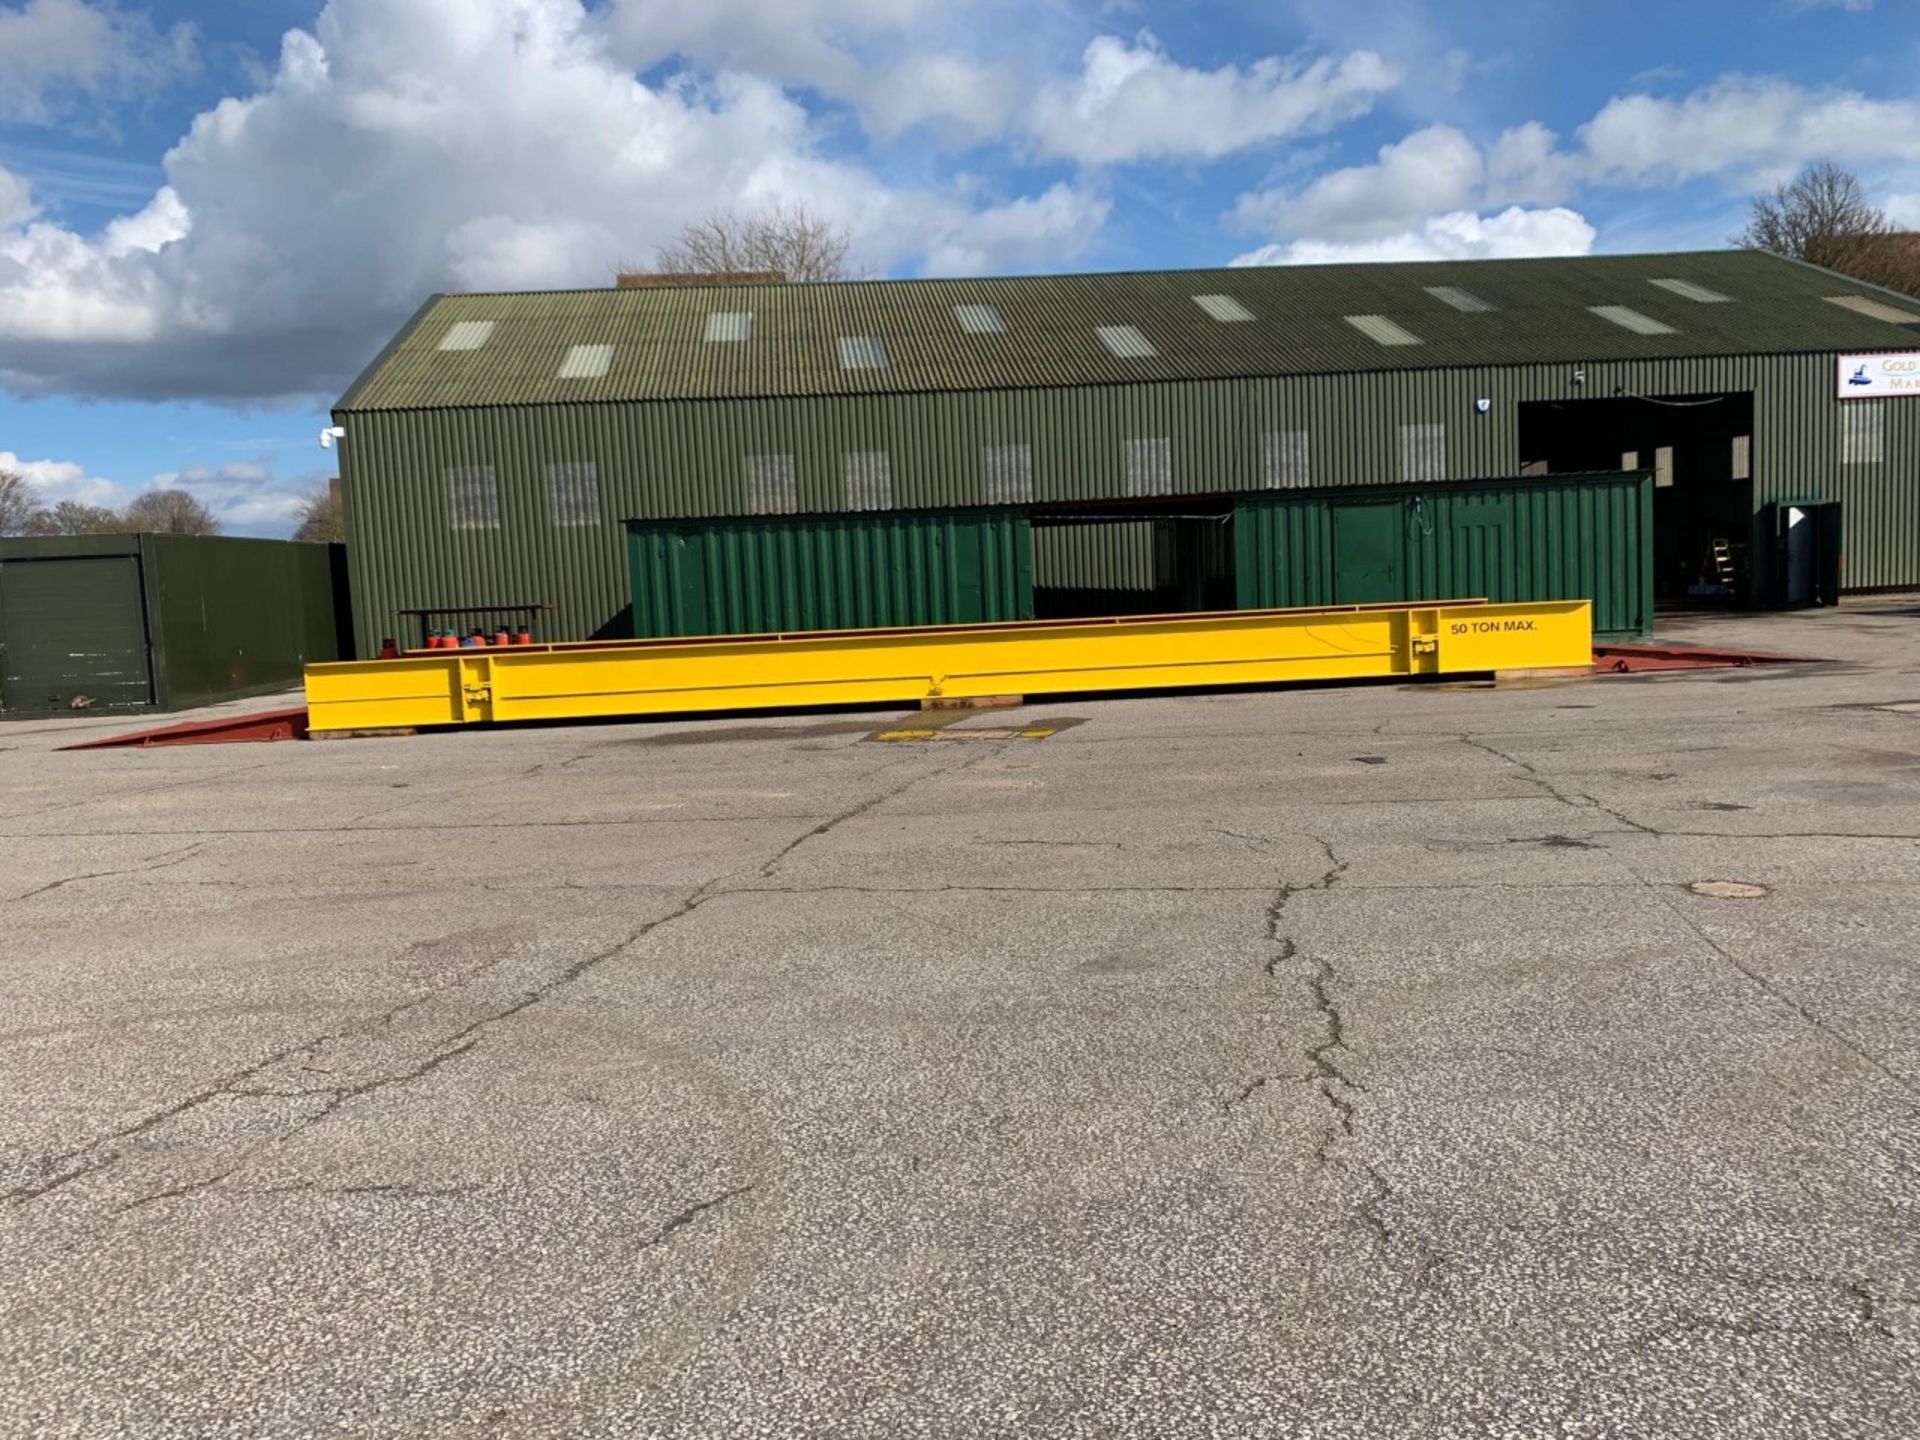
(954, 662)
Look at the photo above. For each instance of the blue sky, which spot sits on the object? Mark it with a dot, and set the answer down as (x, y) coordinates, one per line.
(213, 213)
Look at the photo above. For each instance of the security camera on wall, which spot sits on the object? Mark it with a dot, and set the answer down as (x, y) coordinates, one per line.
(331, 434)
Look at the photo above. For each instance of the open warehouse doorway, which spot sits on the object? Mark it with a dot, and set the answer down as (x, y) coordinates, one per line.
(1160, 558)
(1699, 449)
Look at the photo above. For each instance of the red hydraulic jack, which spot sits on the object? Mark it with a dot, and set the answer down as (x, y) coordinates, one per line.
(257, 727)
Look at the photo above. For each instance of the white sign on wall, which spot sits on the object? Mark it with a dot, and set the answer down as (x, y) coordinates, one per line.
(1865, 375)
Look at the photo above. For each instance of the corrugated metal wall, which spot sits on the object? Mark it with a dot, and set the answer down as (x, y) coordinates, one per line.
(1105, 555)
(684, 459)
(837, 572)
(1553, 538)
(238, 616)
(162, 621)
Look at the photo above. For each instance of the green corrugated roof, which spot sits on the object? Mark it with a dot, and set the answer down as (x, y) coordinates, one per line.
(1540, 312)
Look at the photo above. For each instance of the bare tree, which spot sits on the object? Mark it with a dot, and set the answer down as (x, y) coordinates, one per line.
(1823, 216)
(321, 517)
(170, 512)
(74, 517)
(788, 240)
(18, 503)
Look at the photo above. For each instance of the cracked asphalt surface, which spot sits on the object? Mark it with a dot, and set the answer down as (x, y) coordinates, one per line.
(1343, 1062)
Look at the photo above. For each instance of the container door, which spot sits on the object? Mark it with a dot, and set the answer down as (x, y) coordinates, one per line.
(966, 565)
(73, 635)
(686, 588)
(1366, 554)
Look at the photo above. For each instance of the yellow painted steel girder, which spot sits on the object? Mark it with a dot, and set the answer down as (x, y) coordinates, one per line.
(877, 667)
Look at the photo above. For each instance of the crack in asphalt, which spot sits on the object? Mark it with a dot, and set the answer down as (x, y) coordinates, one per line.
(129, 794)
(164, 860)
(220, 832)
(1245, 1093)
(693, 1212)
(1868, 1319)
(1578, 800)
(834, 822)
(98, 1154)
(1000, 889)
(102, 1153)
(1779, 996)
(1252, 842)
(1071, 844)
(1671, 896)
(396, 1190)
(1337, 1148)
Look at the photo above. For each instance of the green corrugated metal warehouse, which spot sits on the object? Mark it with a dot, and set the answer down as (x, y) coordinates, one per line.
(1144, 426)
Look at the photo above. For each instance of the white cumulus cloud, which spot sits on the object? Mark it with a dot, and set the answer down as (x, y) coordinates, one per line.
(56, 480)
(249, 497)
(404, 146)
(1437, 190)
(55, 52)
(16, 201)
(963, 100)
(1431, 171)
(1435, 172)
(898, 63)
(1133, 101)
(1514, 233)
(1057, 224)
(1745, 129)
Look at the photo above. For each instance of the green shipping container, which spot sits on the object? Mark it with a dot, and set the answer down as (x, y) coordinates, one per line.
(830, 572)
(1560, 537)
(95, 623)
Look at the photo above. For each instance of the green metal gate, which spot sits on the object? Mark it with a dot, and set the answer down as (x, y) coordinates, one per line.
(73, 635)
(140, 622)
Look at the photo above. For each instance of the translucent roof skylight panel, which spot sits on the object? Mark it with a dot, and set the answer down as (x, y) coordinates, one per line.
(729, 325)
(1464, 301)
(1628, 318)
(1381, 330)
(586, 362)
(862, 352)
(1874, 309)
(979, 319)
(467, 335)
(1126, 342)
(1687, 290)
(1223, 308)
